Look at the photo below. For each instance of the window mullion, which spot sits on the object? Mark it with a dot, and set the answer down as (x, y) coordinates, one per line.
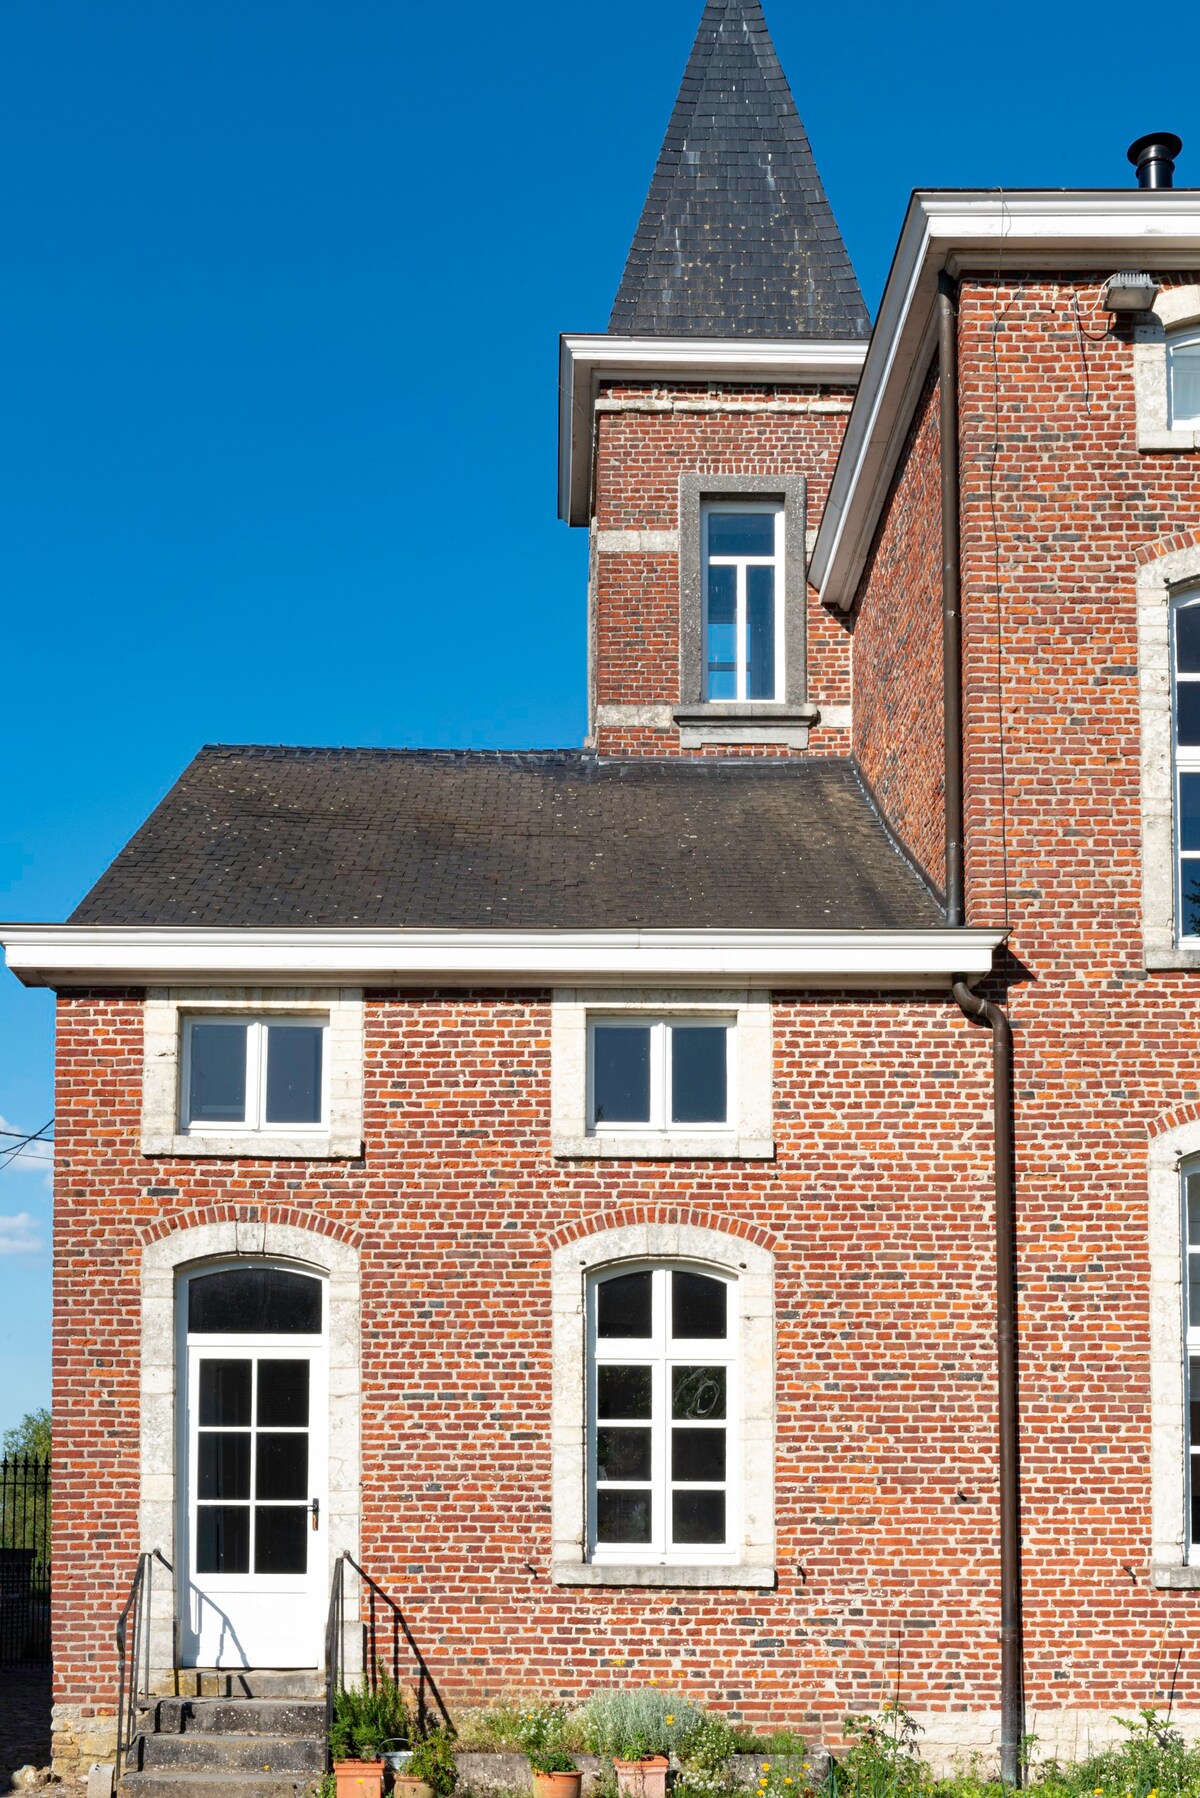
(741, 631)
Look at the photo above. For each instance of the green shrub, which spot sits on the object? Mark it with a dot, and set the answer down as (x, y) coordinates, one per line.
(542, 1735)
(367, 1719)
(633, 1724)
(882, 1760)
(711, 1747)
(433, 1761)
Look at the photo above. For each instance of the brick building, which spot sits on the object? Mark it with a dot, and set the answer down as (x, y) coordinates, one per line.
(591, 1188)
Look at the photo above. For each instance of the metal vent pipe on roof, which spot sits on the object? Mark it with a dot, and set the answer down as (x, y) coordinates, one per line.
(1153, 156)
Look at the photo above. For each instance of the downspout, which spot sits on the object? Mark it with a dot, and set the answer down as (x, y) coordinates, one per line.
(980, 1010)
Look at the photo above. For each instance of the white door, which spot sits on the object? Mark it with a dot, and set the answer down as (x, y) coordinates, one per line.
(254, 1411)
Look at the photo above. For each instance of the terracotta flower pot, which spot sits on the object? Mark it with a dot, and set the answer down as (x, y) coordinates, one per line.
(359, 1779)
(407, 1785)
(557, 1785)
(643, 1779)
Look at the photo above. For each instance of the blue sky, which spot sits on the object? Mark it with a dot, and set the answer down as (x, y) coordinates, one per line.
(280, 310)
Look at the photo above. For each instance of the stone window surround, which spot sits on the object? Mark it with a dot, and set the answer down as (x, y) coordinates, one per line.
(750, 1137)
(1167, 1156)
(571, 1268)
(702, 721)
(164, 1262)
(1174, 308)
(164, 1009)
(1158, 583)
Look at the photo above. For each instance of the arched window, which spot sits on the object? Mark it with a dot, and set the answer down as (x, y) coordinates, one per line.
(663, 1410)
(1183, 377)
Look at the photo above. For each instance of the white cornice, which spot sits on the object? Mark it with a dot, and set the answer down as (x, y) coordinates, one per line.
(584, 361)
(66, 955)
(958, 231)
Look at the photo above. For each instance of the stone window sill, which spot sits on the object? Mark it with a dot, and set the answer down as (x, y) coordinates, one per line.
(251, 1145)
(1160, 960)
(1164, 1574)
(585, 1573)
(662, 1148)
(730, 722)
(1179, 437)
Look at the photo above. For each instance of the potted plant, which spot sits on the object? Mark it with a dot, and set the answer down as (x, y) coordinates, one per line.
(366, 1720)
(542, 1733)
(432, 1771)
(640, 1729)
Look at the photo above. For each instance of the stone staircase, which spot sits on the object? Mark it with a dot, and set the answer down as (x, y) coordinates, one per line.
(231, 1735)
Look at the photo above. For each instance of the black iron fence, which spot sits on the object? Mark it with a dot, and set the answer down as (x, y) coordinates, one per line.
(24, 1562)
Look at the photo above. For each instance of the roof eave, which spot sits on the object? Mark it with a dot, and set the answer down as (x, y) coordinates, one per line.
(956, 231)
(586, 360)
(114, 955)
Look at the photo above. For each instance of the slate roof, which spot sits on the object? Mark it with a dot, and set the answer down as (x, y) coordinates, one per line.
(737, 238)
(470, 840)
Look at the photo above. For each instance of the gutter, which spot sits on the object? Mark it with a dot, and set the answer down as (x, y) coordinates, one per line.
(983, 1011)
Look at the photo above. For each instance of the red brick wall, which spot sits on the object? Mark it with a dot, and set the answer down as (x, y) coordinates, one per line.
(640, 454)
(898, 650)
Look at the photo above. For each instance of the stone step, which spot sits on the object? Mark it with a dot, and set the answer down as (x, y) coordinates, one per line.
(250, 1682)
(161, 1783)
(234, 1754)
(240, 1716)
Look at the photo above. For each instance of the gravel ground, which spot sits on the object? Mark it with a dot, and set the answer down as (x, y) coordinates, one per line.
(24, 1720)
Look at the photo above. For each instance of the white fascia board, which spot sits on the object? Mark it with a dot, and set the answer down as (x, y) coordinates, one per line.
(67, 955)
(584, 361)
(1065, 230)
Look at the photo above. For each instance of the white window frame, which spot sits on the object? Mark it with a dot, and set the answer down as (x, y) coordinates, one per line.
(1171, 1155)
(699, 1248)
(661, 1057)
(1186, 339)
(1163, 581)
(165, 1073)
(1173, 321)
(1191, 1351)
(746, 1135)
(1185, 760)
(714, 507)
(660, 1351)
(254, 1117)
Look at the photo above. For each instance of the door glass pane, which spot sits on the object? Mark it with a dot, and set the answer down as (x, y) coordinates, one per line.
(1185, 384)
(699, 1306)
(622, 1454)
(217, 1086)
(622, 1516)
(741, 533)
(1193, 1281)
(223, 1539)
(254, 1301)
(1193, 1210)
(1187, 639)
(281, 1538)
(281, 1470)
(698, 1074)
(697, 1392)
(760, 633)
(721, 634)
(1189, 897)
(294, 1073)
(1187, 712)
(224, 1393)
(623, 1391)
(283, 1394)
(624, 1305)
(697, 1517)
(1189, 811)
(697, 1454)
(224, 1465)
(621, 1074)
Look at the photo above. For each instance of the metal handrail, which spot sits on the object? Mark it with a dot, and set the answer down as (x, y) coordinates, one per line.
(373, 1666)
(129, 1665)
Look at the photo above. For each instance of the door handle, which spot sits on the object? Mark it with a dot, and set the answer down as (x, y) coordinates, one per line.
(315, 1508)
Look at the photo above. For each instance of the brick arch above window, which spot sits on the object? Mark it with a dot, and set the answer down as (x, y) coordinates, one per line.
(1175, 309)
(573, 1265)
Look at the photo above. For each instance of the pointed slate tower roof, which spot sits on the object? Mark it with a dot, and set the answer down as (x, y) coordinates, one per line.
(737, 238)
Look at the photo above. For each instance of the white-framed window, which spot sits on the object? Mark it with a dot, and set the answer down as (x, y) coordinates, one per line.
(742, 560)
(254, 1074)
(1183, 378)
(1185, 719)
(662, 1415)
(661, 1073)
(1191, 1351)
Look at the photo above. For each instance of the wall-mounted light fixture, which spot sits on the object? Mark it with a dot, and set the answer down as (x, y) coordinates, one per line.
(1129, 291)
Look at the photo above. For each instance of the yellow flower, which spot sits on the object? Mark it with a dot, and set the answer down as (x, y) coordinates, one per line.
(668, 1719)
(787, 1779)
(766, 1766)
